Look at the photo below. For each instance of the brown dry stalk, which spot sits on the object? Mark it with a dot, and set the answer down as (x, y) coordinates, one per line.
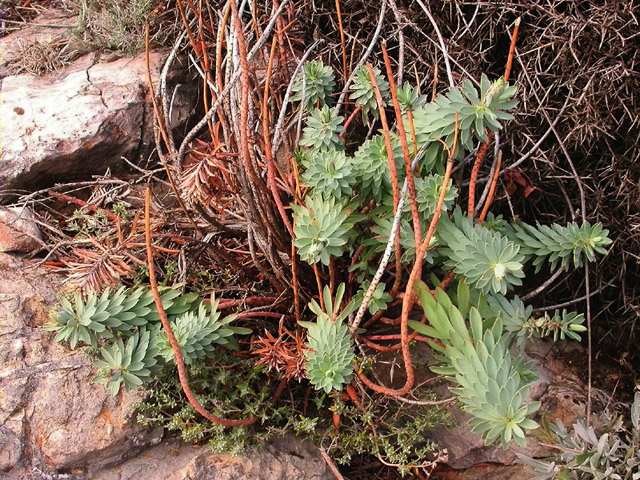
(182, 371)
(248, 301)
(393, 171)
(160, 124)
(345, 72)
(266, 137)
(206, 91)
(411, 186)
(484, 147)
(244, 96)
(492, 189)
(63, 197)
(294, 282)
(416, 273)
(512, 49)
(477, 164)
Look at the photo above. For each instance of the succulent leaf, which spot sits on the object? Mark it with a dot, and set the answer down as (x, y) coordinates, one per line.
(329, 172)
(477, 359)
(559, 245)
(363, 93)
(487, 259)
(322, 228)
(198, 333)
(409, 98)
(316, 83)
(88, 318)
(476, 112)
(323, 130)
(371, 168)
(128, 364)
(329, 355)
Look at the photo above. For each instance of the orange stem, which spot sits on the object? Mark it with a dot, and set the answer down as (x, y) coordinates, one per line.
(417, 227)
(393, 171)
(407, 299)
(164, 320)
(492, 189)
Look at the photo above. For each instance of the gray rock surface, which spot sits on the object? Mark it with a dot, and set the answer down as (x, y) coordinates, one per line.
(52, 415)
(19, 232)
(81, 119)
(284, 459)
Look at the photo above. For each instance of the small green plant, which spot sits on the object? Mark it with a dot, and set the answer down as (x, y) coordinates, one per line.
(378, 301)
(371, 169)
(330, 172)
(198, 333)
(561, 246)
(474, 112)
(124, 326)
(128, 364)
(329, 355)
(316, 82)
(363, 93)
(428, 191)
(323, 130)
(487, 259)
(88, 318)
(409, 98)
(322, 228)
(477, 359)
(613, 452)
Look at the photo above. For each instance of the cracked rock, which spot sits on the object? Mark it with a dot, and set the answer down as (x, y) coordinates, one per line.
(79, 120)
(52, 415)
(18, 231)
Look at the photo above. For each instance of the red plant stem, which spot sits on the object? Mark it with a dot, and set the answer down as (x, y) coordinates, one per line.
(484, 147)
(512, 49)
(407, 299)
(332, 275)
(353, 395)
(417, 227)
(316, 272)
(393, 336)
(266, 138)
(81, 203)
(249, 301)
(492, 189)
(392, 170)
(182, 371)
(294, 281)
(350, 119)
(477, 164)
(446, 281)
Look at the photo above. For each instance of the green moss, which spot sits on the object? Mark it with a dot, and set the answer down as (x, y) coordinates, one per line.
(385, 428)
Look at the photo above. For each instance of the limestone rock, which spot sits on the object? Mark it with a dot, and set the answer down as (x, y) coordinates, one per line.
(52, 415)
(18, 231)
(284, 459)
(81, 119)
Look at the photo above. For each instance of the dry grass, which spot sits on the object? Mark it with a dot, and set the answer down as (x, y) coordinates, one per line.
(42, 57)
